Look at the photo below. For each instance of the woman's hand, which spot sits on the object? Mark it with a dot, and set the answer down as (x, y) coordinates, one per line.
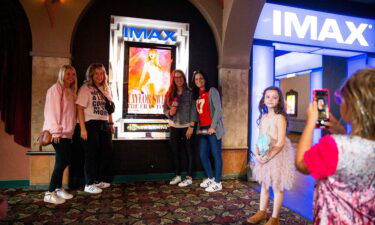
(55, 140)
(84, 134)
(211, 131)
(112, 129)
(189, 132)
(312, 113)
(173, 110)
(334, 126)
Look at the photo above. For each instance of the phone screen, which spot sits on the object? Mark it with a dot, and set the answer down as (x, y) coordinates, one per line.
(322, 99)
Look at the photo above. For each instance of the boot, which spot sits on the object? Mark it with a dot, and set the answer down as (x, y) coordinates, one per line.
(258, 217)
(273, 221)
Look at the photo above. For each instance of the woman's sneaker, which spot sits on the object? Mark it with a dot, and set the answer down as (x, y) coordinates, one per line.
(214, 187)
(63, 194)
(186, 182)
(175, 180)
(92, 189)
(102, 185)
(51, 197)
(207, 182)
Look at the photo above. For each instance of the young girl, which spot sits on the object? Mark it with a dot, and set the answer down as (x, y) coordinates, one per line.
(343, 165)
(179, 107)
(60, 120)
(274, 154)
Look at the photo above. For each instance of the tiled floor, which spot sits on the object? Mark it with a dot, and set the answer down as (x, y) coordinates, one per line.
(300, 198)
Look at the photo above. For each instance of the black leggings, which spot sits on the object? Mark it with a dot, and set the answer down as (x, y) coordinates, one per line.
(178, 141)
(62, 160)
(98, 152)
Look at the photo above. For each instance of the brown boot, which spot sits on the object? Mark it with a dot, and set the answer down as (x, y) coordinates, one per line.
(273, 221)
(258, 217)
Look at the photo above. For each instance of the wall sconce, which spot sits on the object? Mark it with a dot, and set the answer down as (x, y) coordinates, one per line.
(292, 103)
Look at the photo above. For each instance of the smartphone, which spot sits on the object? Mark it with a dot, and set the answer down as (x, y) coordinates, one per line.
(321, 97)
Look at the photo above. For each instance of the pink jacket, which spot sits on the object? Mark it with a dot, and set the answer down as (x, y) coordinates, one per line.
(60, 113)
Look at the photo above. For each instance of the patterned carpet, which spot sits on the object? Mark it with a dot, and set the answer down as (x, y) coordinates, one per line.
(142, 203)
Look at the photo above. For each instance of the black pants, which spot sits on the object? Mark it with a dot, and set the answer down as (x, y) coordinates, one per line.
(178, 141)
(62, 160)
(98, 152)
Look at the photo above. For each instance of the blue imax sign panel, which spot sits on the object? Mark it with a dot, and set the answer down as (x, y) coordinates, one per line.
(140, 33)
(308, 27)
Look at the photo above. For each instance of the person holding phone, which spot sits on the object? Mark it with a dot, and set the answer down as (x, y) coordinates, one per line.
(343, 165)
(210, 130)
(180, 109)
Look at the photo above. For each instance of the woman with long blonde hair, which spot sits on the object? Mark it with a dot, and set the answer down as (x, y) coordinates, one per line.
(60, 120)
(96, 128)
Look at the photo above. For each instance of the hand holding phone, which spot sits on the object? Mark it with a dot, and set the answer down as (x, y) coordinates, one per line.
(322, 99)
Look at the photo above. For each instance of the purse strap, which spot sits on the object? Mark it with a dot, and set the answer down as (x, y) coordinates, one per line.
(105, 97)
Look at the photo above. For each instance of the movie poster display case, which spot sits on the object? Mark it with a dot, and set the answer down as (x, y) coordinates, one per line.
(143, 53)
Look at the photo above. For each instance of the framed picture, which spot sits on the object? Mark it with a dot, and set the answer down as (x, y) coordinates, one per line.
(292, 103)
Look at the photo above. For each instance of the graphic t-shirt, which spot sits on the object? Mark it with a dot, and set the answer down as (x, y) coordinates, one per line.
(93, 102)
(203, 108)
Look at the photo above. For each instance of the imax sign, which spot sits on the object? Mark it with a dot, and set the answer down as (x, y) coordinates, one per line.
(294, 25)
(140, 33)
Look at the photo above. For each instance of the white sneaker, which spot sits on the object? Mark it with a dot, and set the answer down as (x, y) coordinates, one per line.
(63, 194)
(214, 187)
(175, 180)
(207, 182)
(102, 185)
(186, 182)
(92, 189)
(51, 197)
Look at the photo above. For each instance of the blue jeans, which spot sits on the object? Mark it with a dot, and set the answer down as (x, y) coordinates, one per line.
(209, 144)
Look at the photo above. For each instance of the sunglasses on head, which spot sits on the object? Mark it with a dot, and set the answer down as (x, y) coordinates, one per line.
(338, 98)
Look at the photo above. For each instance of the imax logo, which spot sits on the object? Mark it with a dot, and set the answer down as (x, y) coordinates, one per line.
(148, 34)
(309, 26)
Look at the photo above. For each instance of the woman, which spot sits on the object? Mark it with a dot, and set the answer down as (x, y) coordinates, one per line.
(60, 120)
(96, 128)
(180, 109)
(210, 130)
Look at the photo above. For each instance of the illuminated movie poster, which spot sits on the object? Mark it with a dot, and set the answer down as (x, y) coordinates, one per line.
(149, 79)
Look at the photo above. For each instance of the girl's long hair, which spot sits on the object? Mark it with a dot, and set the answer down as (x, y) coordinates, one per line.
(358, 93)
(172, 91)
(280, 107)
(61, 75)
(155, 60)
(195, 89)
(90, 74)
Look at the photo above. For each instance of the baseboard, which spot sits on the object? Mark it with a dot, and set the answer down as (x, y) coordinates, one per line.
(118, 179)
(14, 183)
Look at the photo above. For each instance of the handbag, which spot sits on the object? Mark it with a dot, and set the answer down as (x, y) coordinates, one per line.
(109, 105)
(45, 137)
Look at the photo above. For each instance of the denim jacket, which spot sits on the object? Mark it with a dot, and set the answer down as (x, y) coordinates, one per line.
(186, 110)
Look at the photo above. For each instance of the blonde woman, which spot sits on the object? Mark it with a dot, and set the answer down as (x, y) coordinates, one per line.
(60, 120)
(96, 128)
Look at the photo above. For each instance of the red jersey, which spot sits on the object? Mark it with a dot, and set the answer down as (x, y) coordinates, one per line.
(203, 108)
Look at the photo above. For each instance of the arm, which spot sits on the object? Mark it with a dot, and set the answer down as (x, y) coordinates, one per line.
(306, 138)
(110, 120)
(81, 119)
(193, 114)
(281, 135)
(215, 100)
(52, 112)
(144, 71)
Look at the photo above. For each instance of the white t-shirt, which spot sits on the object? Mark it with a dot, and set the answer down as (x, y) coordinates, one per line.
(93, 102)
